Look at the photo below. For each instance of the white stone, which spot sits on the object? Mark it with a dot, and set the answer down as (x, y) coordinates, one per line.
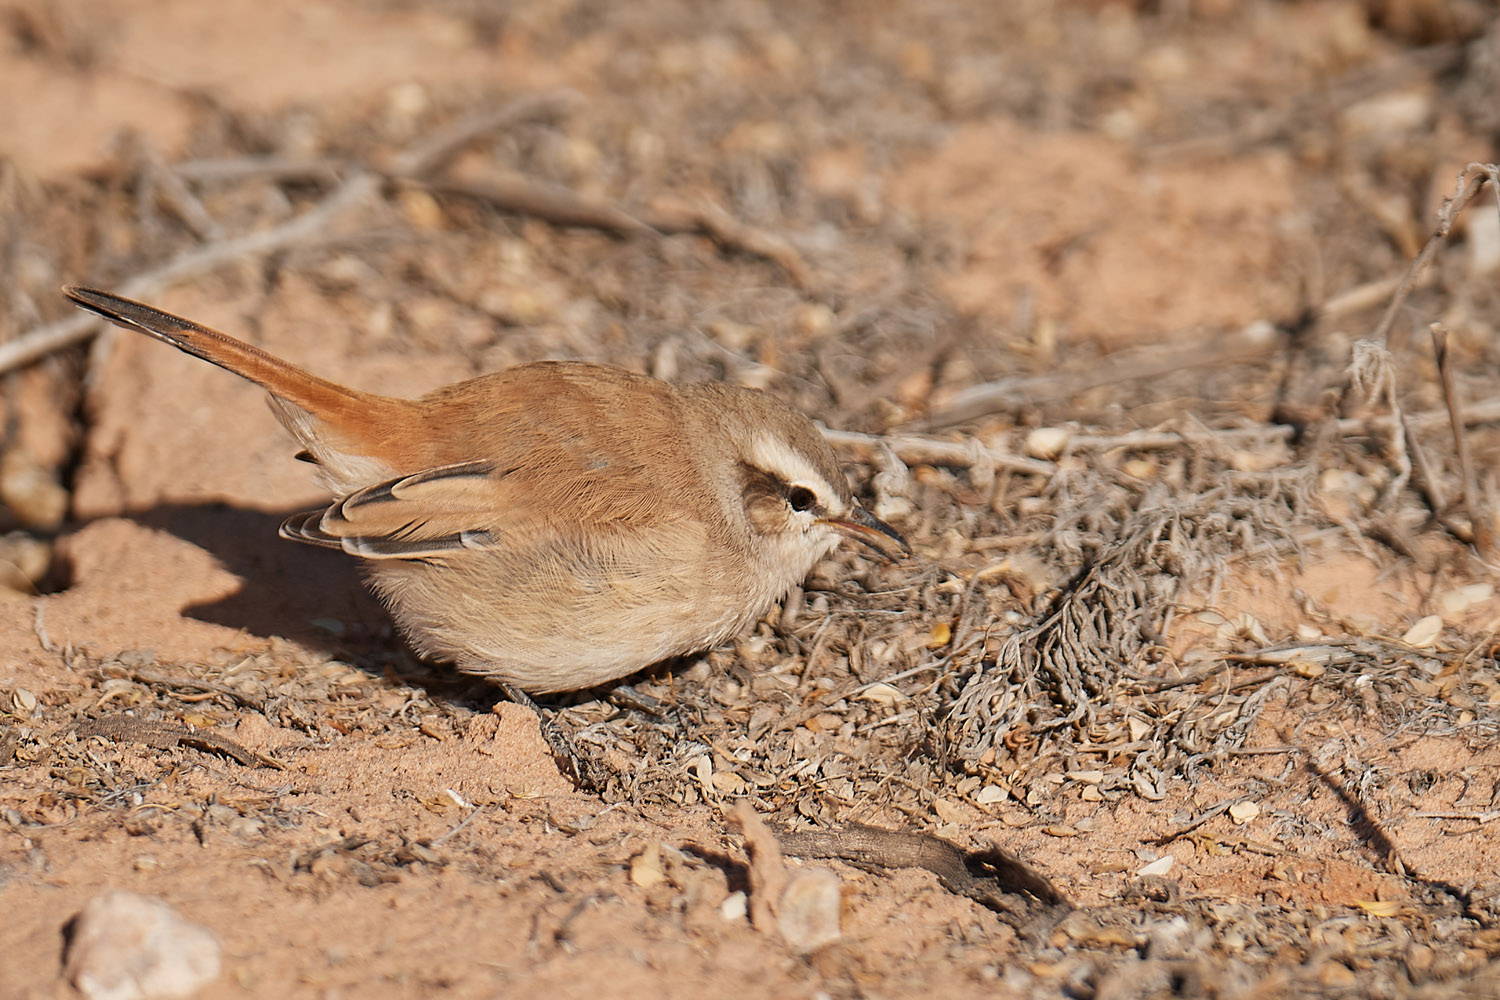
(1160, 866)
(129, 947)
(736, 907)
(807, 914)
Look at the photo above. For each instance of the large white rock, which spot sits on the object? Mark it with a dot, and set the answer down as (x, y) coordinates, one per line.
(130, 947)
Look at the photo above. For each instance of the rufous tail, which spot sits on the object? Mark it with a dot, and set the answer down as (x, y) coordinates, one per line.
(334, 404)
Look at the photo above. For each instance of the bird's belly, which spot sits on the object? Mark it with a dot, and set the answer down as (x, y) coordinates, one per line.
(561, 628)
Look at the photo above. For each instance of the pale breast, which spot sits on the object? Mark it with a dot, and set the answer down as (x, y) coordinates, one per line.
(555, 615)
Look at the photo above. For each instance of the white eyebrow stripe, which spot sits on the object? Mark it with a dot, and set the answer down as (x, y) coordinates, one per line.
(771, 454)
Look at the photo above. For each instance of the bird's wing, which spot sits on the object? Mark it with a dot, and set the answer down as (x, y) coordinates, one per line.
(422, 516)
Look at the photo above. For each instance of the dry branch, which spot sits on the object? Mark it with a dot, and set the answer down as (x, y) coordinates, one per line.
(966, 453)
(730, 233)
(992, 876)
(355, 190)
(552, 203)
(278, 168)
(174, 192)
(435, 150)
(1484, 536)
(526, 196)
(166, 736)
(1470, 181)
(936, 451)
(981, 400)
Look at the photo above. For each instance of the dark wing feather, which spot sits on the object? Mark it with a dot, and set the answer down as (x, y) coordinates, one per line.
(421, 516)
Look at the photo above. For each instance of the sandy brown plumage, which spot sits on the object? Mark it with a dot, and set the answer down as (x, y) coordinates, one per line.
(557, 524)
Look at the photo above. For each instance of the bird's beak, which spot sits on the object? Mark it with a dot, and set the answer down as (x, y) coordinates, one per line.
(871, 531)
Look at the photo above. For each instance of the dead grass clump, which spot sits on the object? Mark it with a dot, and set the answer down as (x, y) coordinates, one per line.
(1104, 628)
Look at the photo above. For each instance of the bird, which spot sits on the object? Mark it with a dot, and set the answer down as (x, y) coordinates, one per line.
(556, 525)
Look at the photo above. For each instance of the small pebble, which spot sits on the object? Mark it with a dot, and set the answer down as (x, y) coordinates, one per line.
(646, 869)
(1160, 866)
(807, 913)
(1243, 812)
(736, 907)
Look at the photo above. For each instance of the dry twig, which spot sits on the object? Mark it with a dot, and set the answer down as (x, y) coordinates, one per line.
(922, 449)
(184, 204)
(1479, 521)
(435, 150)
(1470, 182)
(1247, 344)
(549, 202)
(207, 687)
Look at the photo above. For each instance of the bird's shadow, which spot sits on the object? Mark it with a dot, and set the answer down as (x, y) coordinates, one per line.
(315, 597)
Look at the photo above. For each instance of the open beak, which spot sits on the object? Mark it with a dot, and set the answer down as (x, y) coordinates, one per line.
(871, 531)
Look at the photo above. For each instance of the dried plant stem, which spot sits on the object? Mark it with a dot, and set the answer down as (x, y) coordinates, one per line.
(521, 195)
(435, 150)
(552, 203)
(1469, 184)
(277, 168)
(1372, 374)
(1371, 293)
(935, 451)
(174, 192)
(1247, 344)
(713, 221)
(1426, 477)
(1484, 536)
(921, 449)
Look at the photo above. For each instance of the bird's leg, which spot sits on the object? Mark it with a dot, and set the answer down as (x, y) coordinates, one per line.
(585, 775)
(667, 713)
(626, 696)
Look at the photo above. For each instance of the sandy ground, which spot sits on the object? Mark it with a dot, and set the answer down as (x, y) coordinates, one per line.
(1070, 195)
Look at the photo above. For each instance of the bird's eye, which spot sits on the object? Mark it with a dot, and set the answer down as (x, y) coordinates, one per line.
(801, 498)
